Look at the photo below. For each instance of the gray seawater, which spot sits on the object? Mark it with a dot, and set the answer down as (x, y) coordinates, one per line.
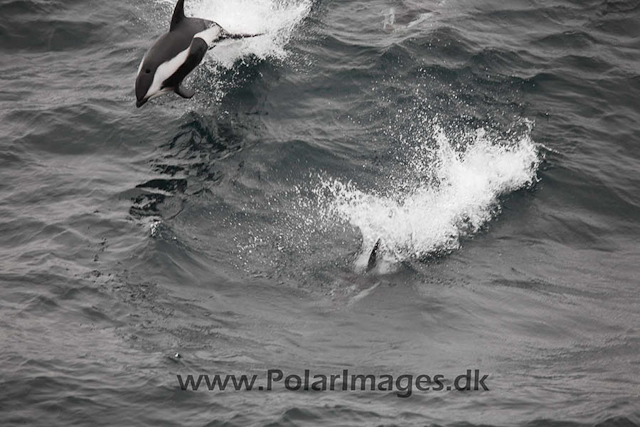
(491, 146)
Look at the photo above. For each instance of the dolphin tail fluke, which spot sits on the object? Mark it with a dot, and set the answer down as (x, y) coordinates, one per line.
(184, 92)
(373, 257)
(227, 35)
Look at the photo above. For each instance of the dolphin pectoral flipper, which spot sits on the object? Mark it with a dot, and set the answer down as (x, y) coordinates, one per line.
(185, 92)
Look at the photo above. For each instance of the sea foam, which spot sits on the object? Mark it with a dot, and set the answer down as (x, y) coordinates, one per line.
(455, 190)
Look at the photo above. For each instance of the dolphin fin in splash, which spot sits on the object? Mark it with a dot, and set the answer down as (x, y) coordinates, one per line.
(373, 257)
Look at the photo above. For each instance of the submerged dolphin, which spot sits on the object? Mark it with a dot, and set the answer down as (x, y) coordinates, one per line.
(175, 54)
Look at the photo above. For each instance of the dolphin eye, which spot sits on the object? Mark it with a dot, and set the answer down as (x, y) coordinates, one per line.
(147, 71)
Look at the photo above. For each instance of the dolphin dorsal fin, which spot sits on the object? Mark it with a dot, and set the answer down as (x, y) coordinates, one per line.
(373, 257)
(178, 15)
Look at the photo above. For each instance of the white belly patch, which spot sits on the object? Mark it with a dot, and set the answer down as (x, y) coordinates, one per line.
(166, 70)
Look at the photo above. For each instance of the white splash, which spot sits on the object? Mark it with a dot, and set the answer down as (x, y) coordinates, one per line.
(275, 19)
(458, 193)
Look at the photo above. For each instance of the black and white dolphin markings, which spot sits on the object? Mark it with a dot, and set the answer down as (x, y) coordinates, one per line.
(175, 54)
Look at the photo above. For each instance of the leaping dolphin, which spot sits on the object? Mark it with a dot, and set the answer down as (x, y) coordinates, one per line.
(175, 54)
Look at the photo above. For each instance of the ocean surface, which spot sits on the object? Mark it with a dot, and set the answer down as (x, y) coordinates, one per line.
(491, 147)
